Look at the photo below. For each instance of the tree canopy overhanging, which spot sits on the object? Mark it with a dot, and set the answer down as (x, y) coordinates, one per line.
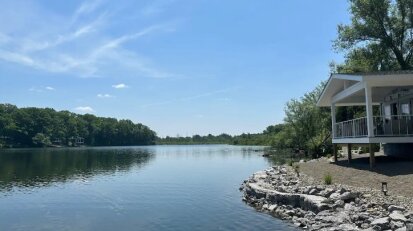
(379, 36)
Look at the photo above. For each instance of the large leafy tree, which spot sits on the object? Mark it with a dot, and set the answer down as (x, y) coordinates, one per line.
(379, 37)
(309, 126)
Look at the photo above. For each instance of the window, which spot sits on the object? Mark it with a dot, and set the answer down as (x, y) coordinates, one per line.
(405, 109)
(387, 112)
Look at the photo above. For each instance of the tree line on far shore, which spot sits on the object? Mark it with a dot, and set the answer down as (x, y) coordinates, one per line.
(265, 138)
(41, 127)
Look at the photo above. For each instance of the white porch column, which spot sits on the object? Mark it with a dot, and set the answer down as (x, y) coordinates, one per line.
(369, 110)
(333, 119)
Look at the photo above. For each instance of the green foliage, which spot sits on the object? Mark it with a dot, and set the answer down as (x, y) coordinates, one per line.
(41, 139)
(290, 163)
(266, 138)
(328, 179)
(27, 127)
(306, 126)
(379, 37)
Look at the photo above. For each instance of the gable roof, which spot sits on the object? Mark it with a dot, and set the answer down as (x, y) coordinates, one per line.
(339, 82)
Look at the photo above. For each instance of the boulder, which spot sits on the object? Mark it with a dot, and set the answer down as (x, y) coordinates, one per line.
(382, 223)
(393, 208)
(312, 191)
(271, 208)
(338, 204)
(397, 216)
(335, 218)
(348, 196)
(335, 196)
(402, 229)
(396, 225)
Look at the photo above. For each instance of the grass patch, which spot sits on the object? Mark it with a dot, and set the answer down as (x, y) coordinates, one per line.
(328, 179)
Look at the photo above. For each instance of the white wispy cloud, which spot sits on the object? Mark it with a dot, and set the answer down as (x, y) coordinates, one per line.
(87, 7)
(30, 45)
(105, 96)
(98, 52)
(155, 7)
(84, 109)
(120, 86)
(41, 89)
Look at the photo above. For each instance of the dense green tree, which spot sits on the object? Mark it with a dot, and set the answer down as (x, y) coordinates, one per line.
(41, 140)
(26, 127)
(309, 125)
(379, 37)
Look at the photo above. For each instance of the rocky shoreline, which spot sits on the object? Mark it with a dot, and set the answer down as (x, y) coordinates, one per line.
(311, 205)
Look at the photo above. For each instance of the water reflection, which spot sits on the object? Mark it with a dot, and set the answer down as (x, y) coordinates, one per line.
(41, 167)
(130, 188)
(283, 156)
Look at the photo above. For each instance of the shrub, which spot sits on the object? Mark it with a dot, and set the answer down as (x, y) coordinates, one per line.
(297, 169)
(328, 179)
(290, 163)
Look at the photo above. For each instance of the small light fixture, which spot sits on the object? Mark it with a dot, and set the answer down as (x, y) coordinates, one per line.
(384, 188)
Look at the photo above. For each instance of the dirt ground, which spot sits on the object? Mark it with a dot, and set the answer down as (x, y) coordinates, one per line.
(398, 173)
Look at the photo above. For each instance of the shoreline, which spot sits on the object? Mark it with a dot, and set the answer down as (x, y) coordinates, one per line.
(311, 205)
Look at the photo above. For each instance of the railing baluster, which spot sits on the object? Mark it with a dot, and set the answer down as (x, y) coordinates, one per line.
(382, 126)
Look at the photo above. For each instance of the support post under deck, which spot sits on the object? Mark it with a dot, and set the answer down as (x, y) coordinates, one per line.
(349, 153)
(372, 157)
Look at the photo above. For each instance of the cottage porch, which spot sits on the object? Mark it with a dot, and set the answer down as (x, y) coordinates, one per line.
(392, 92)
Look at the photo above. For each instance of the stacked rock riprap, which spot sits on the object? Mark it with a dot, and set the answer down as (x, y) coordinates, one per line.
(282, 193)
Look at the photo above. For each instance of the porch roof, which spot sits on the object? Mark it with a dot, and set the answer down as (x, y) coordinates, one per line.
(348, 89)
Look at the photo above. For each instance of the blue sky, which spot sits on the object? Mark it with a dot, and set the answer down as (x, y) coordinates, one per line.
(179, 66)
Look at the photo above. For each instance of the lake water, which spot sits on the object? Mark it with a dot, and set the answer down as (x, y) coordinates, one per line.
(130, 188)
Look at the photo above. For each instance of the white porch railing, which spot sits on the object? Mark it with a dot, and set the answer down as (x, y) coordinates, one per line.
(351, 128)
(395, 125)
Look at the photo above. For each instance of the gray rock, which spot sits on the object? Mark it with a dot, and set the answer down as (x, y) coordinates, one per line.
(271, 208)
(383, 223)
(364, 216)
(328, 192)
(348, 207)
(364, 226)
(348, 196)
(290, 212)
(312, 191)
(396, 224)
(392, 208)
(328, 217)
(346, 227)
(303, 221)
(339, 203)
(402, 229)
(397, 216)
(335, 196)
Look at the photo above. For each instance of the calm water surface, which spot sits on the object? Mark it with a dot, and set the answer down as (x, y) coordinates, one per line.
(130, 188)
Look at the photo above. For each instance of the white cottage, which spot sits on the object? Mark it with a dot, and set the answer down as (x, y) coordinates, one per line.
(392, 126)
